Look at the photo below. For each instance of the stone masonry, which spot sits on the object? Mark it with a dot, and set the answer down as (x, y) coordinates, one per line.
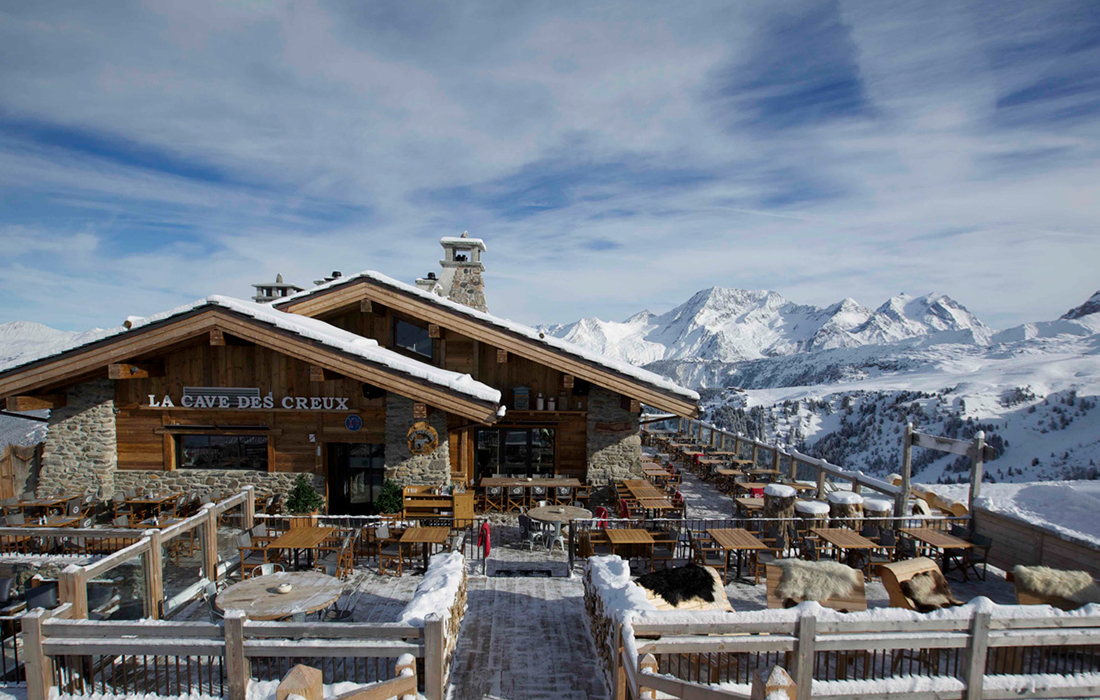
(217, 480)
(468, 288)
(614, 454)
(402, 465)
(80, 451)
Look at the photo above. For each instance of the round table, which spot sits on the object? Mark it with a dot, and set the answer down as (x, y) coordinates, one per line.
(558, 515)
(311, 591)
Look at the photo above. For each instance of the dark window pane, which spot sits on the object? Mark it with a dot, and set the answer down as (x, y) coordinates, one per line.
(222, 452)
(412, 338)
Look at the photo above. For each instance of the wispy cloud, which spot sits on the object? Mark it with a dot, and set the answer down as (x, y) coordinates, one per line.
(615, 156)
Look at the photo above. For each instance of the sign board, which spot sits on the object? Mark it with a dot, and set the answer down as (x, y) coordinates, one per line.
(353, 422)
(422, 438)
(248, 399)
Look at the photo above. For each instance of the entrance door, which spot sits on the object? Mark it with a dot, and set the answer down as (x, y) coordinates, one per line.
(356, 471)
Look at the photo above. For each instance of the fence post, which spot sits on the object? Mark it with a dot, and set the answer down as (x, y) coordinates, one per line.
(737, 445)
(804, 656)
(210, 545)
(901, 502)
(976, 655)
(38, 666)
(153, 564)
(248, 508)
(435, 651)
(755, 453)
(72, 588)
(236, 665)
(770, 680)
(820, 482)
(648, 663)
(976, 466)
(406, 662)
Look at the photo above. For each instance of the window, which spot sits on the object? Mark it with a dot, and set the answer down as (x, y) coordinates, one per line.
(411, 337)
(222, 452)
(518, 452)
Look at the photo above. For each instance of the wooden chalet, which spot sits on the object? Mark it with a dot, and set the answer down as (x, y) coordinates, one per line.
(359, 379)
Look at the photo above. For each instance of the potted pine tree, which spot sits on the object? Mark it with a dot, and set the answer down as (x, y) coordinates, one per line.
(304, 500)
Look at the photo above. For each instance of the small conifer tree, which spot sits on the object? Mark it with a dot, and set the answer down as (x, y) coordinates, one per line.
(303, 497)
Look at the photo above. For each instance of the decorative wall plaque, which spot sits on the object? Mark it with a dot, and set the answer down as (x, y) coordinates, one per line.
(423, 438)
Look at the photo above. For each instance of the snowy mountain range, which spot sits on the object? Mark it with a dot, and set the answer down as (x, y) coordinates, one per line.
(734, 325)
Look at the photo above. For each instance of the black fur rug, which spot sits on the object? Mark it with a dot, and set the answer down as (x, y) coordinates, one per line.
(679, 584)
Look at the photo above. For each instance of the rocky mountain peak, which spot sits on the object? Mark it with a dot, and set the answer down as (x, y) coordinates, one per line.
(1090, 307)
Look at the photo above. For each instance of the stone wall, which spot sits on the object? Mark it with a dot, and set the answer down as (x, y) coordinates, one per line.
(402, 465)
(614, 445)
(216, 480)
(80, 451)
(468, 288)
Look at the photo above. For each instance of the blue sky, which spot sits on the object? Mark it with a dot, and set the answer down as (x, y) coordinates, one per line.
(614, 156)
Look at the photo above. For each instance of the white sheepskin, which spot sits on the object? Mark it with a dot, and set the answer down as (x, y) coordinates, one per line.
(815, 580)
(1075, 586)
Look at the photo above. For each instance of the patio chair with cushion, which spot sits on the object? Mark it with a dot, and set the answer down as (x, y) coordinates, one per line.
(706, 552)
(390, 555)
(664, 547)
(517, 498)
(252, 554)
(493, 499)
(830, 583)
(563, 495)
(43, 595)
(537, 496)
(978, 553)
(917, 584)
(338, 554)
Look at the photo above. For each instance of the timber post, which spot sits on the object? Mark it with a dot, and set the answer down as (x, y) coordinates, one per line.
(248, 508)
(773, 679)
(977, 464)
(72, 588)
(901, 502)
(804, 656)
(210, 545)
(38, 666)
(648, 663)
(435, 652)
(976, 653)
(152, 563)
(236, 664)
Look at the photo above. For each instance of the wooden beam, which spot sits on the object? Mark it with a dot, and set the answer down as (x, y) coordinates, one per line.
(35, 403)
(135, 370)
(217, 337)
(567, 381)
(365, 306)
(502, 356)
(420, 410)
(629, 404)
(316, 373)
(434, 331)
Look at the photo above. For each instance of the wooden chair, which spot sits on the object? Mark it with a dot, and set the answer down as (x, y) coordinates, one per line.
(493, 499)
(896, 573)
(337, 553)
(517, 498)
(390, 555)
(535, 495)
(266, 569)
(853, 602)
(706, 552)
(252, 554)
(563, 495)
(664, 547)
(978, 553)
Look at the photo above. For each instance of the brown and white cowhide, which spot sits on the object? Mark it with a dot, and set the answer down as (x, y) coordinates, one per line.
(689, 587)
(1043, 581)
(815, 580)
(929, 591)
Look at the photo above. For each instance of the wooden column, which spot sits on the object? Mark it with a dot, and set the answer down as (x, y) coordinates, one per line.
(153, 565)
(737, 445)
(755, 452)
(72, 588)
(901, 501)
(977, 465)
(820, 482)
(236, 665)
(770, 680)
(435, 647)
(248, 508)
(976, 654)
(38, 666)
(648, 663)
(804, 656)
(210, 545)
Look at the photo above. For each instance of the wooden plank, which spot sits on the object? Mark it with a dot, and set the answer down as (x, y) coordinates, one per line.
(91, 629)
(109, 646)
(316, 373)
(36, 403)
(254, 629)
(365, 306)
(942, 444)
(37, 665)
(135, 370)
(435, 657)
(358, 649)
(976, 655)
(715, 644)
(217, 337)
(393, 688)
(236, 665)
(688, 691)
(804, 656)
(302, 680)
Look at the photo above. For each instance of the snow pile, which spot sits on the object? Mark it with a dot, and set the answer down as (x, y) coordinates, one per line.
(1067, 508)
(846, 498)
(619, 366)
(438, 592)
(877, 505)
(811, 507)
(780, 490)
(305, 327)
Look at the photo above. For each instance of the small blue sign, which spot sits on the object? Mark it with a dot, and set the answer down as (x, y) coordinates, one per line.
(353, 422)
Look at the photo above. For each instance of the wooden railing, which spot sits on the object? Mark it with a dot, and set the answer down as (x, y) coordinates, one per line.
(776, 457)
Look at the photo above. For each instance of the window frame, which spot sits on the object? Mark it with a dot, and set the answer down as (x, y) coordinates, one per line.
(178, 448)
(415, 323)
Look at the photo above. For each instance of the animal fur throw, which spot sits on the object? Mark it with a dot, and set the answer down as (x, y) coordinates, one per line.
(929, 591)
(815, 580)
(1043, 581)
(687, 587)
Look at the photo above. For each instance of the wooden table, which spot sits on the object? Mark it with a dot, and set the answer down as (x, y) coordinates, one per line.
(311, 591)
(941, 541)
(750, 504)
(849, 540)
(299, 538)
(750, 485)
(631, 538)
(765, 472)
(58, 521)
(726, 477)
(43, 503)
(736, 540)
(648, 496)
(427, 536)
(154, 502)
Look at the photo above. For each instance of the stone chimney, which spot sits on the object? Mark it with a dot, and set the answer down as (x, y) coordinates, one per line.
(270, 291)
(461, 280)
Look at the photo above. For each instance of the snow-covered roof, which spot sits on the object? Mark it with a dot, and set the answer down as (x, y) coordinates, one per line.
(310, 328)
(466, 242)
(657, 381)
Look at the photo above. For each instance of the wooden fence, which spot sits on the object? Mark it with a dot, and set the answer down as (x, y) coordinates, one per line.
(15, 463)
(1021, 542)
(789, 461)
